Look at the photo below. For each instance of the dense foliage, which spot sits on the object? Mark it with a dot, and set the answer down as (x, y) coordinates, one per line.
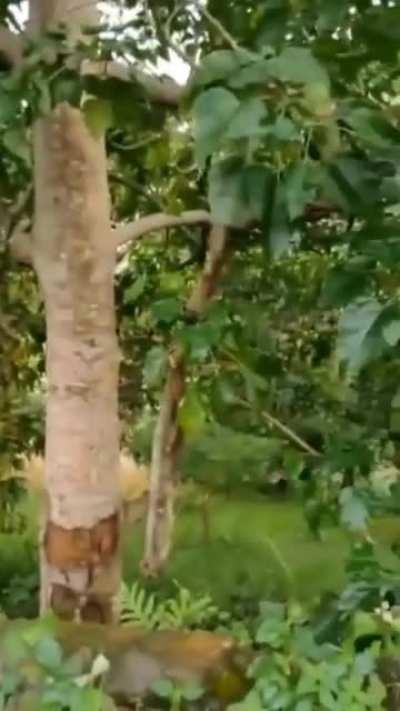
(289, 133)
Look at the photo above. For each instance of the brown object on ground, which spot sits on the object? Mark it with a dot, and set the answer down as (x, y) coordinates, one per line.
(139, 658)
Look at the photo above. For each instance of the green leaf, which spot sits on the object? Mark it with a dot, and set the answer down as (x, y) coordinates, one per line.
(391, 332)
(344, 284)
(166, 310)
(192, 417)
(67, 88)
(298, 192)
(163, 688)
(48, 653)
(247, 119)
(276, 228)
(98, 115)
(272, 632)
(219, 65)
(379, 29)
(377, 692)
(354, 345)
(155, 366)
(330, 14)
(283, 130)
(372, 127)
(133, 292)
(237, 192)
(200, 339)
(192, 692)
(352, 184)
(252, 702)
(354, 515)
(213, 110)
(15, 140)
(219, 117)
(8, 106)
(172, 282)
(15, 648)
(364, 624)
(88, 699)
(299, 66)
(252, 74)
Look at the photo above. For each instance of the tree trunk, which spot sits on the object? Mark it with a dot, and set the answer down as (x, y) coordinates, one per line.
(74, 257)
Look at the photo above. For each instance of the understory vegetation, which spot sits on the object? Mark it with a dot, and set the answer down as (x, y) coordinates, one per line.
(258, 321)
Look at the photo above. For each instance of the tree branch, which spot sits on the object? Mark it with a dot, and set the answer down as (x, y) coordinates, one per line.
(11, 46)
(132, 231)
(124, 234)
(168, 434)
(292, 436)
(231, 42)
(159, 90)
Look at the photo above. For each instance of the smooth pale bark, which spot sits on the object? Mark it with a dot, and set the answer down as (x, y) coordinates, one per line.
(74, 257)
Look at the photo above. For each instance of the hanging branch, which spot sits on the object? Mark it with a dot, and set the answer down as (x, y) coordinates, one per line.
(168, 434)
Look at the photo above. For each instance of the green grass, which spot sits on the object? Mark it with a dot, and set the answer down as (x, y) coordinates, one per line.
(258, 548)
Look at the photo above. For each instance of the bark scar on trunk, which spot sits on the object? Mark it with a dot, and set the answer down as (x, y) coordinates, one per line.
(82, 547)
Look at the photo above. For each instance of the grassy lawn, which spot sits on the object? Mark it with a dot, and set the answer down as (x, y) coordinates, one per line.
(256, 547)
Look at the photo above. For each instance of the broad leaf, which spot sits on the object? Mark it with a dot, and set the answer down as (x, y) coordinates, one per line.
(276, 228)
(48, 653)
(257, 72)
(219, 65)
(247, 120)
(98, 115)
(299, 66)
(219, 116)
(391, 332)
(354, 343)
(213, 110)
(237, 192)
(155, 366)
(354, 514)
(192, 416)
(298, 191)
(16, 142)
(133, 292)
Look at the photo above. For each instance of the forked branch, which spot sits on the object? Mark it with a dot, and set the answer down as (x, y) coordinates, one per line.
(168, 435)
(123, 234)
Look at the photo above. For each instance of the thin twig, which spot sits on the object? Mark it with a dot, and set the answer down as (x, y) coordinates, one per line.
(218, 26)
(135, 146)
(274, 422)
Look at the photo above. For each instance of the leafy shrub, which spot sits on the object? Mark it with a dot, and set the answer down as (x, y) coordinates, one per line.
(34, 660)
(294, 672)
(184, 610)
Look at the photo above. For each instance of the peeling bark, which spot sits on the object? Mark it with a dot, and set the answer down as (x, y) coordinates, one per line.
(74, 257)
(167, 439)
